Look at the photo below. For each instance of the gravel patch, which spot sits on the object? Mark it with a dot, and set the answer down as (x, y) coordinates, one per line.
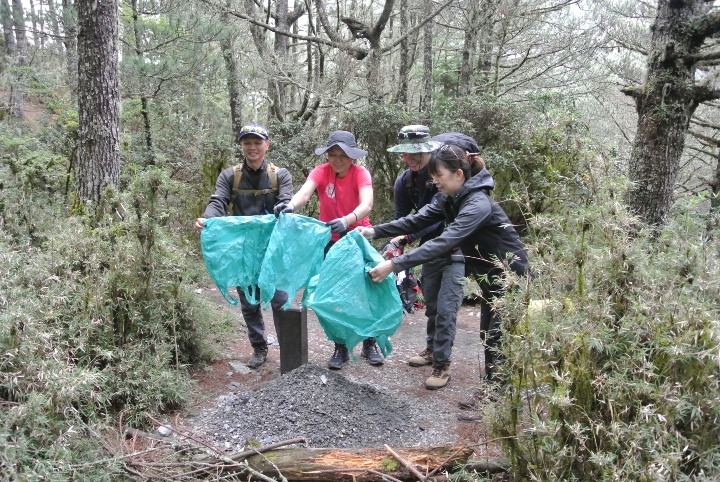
(329, 410)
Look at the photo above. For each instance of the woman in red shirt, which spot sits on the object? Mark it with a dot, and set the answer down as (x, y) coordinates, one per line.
(345, 196)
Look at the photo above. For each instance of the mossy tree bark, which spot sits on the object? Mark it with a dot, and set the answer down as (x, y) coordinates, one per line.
(98, 163)
(666, 101)
(7, 25)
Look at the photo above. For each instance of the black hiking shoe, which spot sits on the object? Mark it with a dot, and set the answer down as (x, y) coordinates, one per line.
(258, 357)
(371, 353)
(339, 357)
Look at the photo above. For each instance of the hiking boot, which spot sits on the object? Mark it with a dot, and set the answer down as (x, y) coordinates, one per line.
(439, 378)
(421, 359)
(339, 357)
(258, 357)
(371, 353)
(471, 402)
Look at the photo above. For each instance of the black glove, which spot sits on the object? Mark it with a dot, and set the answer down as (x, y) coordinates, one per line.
(283, 207)
(339, 225)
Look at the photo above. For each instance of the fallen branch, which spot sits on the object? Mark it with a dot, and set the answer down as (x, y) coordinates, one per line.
(385, 477)
(375, 465)
(240, 456)
(412, 469)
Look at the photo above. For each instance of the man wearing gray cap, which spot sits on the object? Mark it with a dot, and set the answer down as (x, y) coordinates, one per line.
(250, 188)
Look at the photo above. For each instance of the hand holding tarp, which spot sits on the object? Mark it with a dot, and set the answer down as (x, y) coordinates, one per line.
(339, 225)
(283, 207)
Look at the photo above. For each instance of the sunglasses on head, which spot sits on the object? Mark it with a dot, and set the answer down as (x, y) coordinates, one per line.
(449, 147)
(412, 135)
(255, 130)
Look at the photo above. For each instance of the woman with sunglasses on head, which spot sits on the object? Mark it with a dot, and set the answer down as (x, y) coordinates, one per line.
(475, 224)
(345, 196)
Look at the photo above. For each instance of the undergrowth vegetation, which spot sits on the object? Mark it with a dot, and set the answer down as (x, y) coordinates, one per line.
(98, 322)
(611, 348)
(613, 367)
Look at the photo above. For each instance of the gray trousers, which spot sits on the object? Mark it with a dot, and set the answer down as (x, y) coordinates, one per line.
(252, 314)
(443, 280)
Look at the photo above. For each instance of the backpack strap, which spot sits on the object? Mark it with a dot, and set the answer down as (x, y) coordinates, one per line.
(409, 187)
(271, 170)
(237, 176)
(272, 174)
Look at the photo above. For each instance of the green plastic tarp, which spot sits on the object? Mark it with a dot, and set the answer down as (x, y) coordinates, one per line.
(349, 305)
(294, 255)
(234, 248)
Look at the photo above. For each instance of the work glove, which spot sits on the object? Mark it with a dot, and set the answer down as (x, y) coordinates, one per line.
(283, 207)
(338, 226)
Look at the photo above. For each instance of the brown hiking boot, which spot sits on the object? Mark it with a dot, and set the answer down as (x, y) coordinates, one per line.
(422, 359)
(471, 402)
(439, 378)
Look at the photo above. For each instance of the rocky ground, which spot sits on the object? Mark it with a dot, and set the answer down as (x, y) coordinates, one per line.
(358, 406)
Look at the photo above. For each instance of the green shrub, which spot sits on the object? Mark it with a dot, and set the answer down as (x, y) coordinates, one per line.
(97, 320)
(616, 376)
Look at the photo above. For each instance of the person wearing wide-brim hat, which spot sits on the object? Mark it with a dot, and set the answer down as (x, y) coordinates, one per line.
(472, 221)
(441, 278)
(345, 197)
(414, 139)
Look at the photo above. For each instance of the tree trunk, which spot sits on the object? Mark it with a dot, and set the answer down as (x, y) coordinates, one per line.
(7, 25)
(427, 83)
(277, 83)
(69, 22)
(149, 154)
(228, 52)
(715, 189)
(98, 163)
(404, 69)
(665, 104)
(33, 20)
(54, 24)
(305, 464)
(17, 89)
(42, 35)
(374, 81)
(469, 49)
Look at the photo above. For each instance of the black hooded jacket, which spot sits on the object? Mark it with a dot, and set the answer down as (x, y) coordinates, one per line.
(473, 221)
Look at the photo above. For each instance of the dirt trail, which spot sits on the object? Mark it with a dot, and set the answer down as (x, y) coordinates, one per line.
(230, 393)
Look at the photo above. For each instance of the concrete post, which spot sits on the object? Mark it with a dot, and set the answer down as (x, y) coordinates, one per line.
(292, 338)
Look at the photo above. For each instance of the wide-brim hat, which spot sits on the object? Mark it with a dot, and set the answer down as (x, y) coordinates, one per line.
(414, 139)
(344, 140)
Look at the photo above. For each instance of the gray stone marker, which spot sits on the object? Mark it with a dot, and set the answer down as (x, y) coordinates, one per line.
(292, 338)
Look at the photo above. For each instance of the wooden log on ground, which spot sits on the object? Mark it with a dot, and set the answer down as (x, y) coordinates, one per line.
(360, 465)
